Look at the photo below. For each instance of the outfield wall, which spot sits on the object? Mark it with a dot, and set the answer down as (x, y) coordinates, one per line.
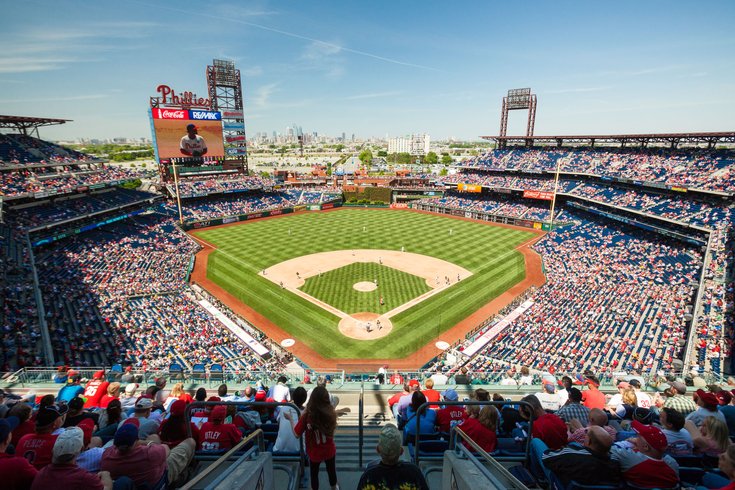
(480, 216)
(195, 225)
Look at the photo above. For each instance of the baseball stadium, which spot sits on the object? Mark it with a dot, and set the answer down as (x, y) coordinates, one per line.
(534, 288)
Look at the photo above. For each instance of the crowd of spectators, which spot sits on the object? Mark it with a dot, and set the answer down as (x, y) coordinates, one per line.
(494, 204)
(119, 295)
(702, 169)
(614, 299)
(219, 185)
(579, 434)
(18, 312)
(60, 179)
(234, 205)
(48, 212)
(19, 149)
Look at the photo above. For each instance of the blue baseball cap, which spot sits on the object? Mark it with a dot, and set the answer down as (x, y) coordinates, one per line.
(450, 395)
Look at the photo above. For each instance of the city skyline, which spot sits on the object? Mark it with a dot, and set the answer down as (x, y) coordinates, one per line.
(380, 70)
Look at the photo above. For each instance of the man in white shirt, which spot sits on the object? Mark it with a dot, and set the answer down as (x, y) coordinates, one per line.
(548, 398)
(439, 378)
(192, 144)
(281, 393)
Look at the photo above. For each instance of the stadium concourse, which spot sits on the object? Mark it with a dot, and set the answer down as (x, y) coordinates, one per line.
(638, 288)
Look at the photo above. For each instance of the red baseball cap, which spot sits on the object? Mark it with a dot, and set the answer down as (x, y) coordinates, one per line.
(99, 375)
(707, 397)
(178, 407)
(414, 382)
(260, 395)
(218, 413)
(723, 397)
(652, 435)
(132, 421)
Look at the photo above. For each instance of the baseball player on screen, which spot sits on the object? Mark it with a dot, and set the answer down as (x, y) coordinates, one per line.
(192, 144)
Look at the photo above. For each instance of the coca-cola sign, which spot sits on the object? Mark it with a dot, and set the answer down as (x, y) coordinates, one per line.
(170, 114)
(169, 97)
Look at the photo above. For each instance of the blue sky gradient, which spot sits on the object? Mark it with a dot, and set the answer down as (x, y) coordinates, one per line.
(377, 68)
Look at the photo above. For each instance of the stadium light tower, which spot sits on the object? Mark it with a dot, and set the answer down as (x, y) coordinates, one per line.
(518, 99)
(225, 93)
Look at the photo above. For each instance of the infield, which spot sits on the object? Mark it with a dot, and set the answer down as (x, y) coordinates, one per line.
(244, 251)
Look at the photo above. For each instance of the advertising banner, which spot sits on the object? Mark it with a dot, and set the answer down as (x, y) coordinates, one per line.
(237, 126)
(236, 151)
(235, 137)
(230, 114)
(546, 196)
(469, 188)
(170, 126)
(679, 189)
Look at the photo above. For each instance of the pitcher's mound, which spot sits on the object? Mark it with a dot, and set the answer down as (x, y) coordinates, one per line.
(356, 326)
(365, 286)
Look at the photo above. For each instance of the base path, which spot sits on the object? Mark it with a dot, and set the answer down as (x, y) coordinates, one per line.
(534, 278)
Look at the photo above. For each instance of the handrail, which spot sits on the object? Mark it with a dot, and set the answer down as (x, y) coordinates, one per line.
(426, 406)
(487, 457)
(360, 410)
(209, 469)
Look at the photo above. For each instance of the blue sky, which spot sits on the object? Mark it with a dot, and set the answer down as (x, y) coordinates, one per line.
(379, 67)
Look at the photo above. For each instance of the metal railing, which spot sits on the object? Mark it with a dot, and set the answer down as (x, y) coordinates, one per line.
(360, 411)
(509, 481)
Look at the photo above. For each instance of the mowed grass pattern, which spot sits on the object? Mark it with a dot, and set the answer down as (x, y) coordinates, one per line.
(246, 249)
(336, 288)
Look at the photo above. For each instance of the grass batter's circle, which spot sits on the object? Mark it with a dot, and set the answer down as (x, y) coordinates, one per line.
(355, 326)
(364, 286)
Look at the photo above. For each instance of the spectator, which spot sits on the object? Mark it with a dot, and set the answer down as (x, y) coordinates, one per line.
(426, 420)
(450, 415)
(682, 404)
(395, 378)
(109, 421)
(91, 456)
(95, 390)
(17, 472)
(145, 462)
(215, 435)
(586, 465)
(430, 393)
(318, 422)
(76, 413)
(679, 441)
(643, 400)
(574, 408)
(566, 384)
(526, 377)
(509, 379)
(286, 442)
(37, 448)
(463, 378)
(592, 397)
(63, 472)
(548, 398)
(71, 390)
(597, 418)
(439, 378)
(281, 392)
(113, 393)
(727, 409)
(707, 404)
(627, 406)
(481, 425)
(142, 413)
(26, 425)
(127, 401)
(391, 473)
(711, 438)
(617, 398)
(645, 465)
(545, 426)
(173, 429)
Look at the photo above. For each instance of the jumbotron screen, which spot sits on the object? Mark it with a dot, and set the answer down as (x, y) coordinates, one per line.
(182, 133)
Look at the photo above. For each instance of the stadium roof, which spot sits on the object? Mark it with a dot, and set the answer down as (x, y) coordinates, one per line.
(24, 122)
(643, 139)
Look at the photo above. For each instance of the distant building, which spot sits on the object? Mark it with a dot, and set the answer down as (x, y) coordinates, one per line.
(417, 144)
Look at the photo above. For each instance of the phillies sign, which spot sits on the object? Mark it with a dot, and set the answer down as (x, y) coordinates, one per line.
(183, 99)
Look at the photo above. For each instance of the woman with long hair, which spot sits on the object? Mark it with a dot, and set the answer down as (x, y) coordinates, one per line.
(318, 422)
(711, 439)
(427, 419)
(109, 420)
(481, 425)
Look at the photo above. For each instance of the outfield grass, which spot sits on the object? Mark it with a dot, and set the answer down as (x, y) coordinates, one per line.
(245, 250)
(335, 288)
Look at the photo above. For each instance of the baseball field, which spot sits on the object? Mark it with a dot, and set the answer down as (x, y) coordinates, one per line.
(364, 283)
